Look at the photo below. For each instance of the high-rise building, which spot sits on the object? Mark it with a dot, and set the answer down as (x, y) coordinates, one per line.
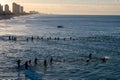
(7, 9)
(1, 9)
(16, 8)
(21, 9)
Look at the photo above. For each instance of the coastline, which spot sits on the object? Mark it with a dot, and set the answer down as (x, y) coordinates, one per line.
(3, 17)
(9, 16)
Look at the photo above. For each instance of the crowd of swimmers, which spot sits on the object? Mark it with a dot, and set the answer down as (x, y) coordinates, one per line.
(13, 38)
(28, 63)
(32, 38)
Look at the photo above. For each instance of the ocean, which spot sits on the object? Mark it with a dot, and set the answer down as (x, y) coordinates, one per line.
(38, 36)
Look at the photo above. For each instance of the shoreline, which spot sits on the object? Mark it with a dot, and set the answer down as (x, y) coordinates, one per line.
(4, 17)
(9, 16)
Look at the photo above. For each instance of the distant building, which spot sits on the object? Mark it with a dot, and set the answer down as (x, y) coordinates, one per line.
(16, 8)
(7, 9)
(1, 9)
(21, 9)
(33, 12)
(14, 5)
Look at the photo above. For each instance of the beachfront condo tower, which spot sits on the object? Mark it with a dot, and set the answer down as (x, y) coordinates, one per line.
(21, 9)
(7, 9)
(17, 9)
(1, 9)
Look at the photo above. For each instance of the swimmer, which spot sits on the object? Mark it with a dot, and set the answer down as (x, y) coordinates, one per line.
(87, 60)
(105, 58)
(90, 56)
(27, 39)
(26, 65)
(45, 63)
(18, 63)
(35, 61)
(29, 62)
(51, 60)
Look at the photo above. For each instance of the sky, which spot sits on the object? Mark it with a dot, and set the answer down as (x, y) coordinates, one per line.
(77, 7)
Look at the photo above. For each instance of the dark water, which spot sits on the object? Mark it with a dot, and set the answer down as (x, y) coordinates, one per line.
(99, 35)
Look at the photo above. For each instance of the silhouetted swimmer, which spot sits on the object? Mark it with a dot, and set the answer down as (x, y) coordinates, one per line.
(27, 39)
(18, 63)
(90, 56)
(51, 60)
(64, 39)
(29, 62)
(104, 59)
(41, 37)
(12, 37)
(15, 38)
(45, 63)
(35, 61)
(9, 37)
(58, 38)
(70, 38)
(87, 60)
(32, 38)
(26, 65)
(47, 38)
(55, 38)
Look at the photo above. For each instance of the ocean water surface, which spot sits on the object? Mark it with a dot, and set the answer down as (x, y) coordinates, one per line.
(69, 47)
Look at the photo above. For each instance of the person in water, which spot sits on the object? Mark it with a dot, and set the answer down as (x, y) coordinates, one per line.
(42, 38)
(27, 39)
(35, 61)
(51, 60)
(64, 38)
(18, 63)
(26, 65)
(50, 38)
(45, 63)
(105, 58)
(87, 60)
(90, 56)
(32, 38)
(9, 37)
(29, 62)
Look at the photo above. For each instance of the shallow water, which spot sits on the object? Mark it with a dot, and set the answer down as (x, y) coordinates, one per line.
(98, 35)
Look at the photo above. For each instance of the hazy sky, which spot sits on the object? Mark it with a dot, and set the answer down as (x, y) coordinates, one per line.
(103, 7)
